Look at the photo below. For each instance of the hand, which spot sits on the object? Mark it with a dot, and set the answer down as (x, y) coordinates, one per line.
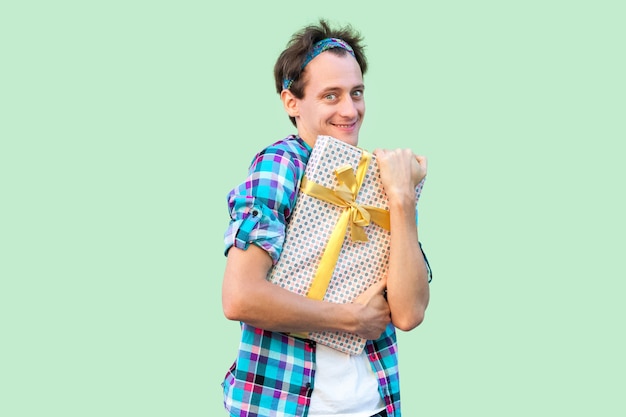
(400, 171)
(374, 315)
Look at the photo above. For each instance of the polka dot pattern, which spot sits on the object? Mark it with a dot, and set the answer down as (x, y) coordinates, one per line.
(360, 264)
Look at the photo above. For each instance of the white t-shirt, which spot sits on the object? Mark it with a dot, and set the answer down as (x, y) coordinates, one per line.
(345, 385)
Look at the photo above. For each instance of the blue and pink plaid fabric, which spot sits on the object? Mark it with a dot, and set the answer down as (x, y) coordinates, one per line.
(260, 206)
(273, 374)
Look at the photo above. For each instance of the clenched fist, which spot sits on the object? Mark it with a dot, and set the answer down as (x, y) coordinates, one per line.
(400, 171)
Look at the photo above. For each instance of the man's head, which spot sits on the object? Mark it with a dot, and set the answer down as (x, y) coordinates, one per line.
(320, 79)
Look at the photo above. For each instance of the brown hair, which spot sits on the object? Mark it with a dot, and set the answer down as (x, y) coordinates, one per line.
(289, 63)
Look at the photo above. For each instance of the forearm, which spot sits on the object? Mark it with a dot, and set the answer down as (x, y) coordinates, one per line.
(407, 280)
(247, 296)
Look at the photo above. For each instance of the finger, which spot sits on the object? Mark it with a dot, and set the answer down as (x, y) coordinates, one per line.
(379, 286)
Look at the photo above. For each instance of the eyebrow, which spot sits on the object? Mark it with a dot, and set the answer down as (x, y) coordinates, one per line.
(335, 88)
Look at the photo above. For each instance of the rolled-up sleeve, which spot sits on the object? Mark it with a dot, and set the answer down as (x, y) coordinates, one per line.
(253, 222)
(261, 204)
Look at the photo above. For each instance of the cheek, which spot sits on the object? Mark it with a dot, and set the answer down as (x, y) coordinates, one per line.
(325, 114)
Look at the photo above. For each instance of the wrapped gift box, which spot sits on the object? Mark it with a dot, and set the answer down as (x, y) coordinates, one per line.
(313, 221)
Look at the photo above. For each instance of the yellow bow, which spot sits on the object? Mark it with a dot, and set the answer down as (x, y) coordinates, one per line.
(355, 215)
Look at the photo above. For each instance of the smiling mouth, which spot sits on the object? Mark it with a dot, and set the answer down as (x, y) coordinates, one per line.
(344, 126)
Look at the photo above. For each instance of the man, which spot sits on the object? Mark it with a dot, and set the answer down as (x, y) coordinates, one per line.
(319, 77)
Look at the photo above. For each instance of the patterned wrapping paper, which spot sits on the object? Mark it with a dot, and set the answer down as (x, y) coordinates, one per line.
(360, 264)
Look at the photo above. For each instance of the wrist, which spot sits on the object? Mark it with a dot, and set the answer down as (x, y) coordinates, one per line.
(402, 203)
(346, 317)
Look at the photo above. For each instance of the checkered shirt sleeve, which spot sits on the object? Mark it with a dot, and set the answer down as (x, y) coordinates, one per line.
(260, 206)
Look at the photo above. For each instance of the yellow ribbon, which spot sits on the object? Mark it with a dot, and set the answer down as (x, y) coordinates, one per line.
(355, 215)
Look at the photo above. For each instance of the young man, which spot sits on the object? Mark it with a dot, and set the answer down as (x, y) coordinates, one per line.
(320, 81)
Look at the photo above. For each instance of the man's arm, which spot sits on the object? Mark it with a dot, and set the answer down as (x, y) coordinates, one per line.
(407, 280)
(249, 297)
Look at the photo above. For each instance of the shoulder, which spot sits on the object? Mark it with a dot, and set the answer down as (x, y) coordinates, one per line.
(291, 152)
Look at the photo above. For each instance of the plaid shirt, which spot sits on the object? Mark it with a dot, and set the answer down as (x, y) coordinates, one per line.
(274, 373)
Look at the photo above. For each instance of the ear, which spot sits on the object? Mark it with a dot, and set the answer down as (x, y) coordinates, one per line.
(290, 103)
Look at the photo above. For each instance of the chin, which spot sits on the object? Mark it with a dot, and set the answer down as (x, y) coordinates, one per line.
(350, 139)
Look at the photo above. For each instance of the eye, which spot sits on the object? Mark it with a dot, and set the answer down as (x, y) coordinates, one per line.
(357, 93)
(330, 96)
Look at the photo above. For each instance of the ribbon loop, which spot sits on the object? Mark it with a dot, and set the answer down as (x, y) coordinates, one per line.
(345, 176)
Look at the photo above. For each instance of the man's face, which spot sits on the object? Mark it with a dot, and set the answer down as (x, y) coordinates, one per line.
(333, 102)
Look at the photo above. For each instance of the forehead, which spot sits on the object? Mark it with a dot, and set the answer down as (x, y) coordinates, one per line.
(328, 70)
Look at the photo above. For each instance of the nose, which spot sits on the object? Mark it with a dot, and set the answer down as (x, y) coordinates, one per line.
(348, 108)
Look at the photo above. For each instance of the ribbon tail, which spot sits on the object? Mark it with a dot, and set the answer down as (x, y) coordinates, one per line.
(324, 272)
(379, 216)
(357, 234)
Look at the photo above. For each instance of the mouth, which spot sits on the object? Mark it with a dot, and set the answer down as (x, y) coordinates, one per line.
(345, 126)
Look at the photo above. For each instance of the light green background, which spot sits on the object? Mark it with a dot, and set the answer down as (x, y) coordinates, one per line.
(124, 124)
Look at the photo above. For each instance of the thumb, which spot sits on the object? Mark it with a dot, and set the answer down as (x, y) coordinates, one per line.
(422, 160)
(377, 287)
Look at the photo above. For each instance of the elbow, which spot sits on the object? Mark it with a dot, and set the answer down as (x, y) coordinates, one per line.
(232, 307)
(230, 312)
(409, 322)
